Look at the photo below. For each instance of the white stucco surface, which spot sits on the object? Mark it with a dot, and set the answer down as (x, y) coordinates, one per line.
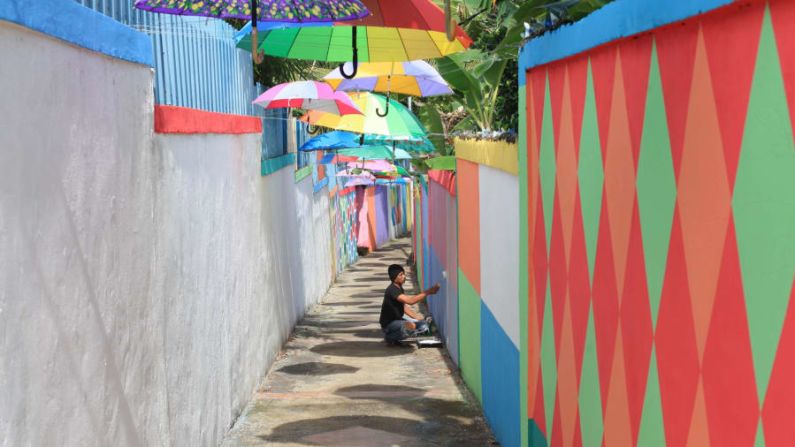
(147, 281)
(499, 247)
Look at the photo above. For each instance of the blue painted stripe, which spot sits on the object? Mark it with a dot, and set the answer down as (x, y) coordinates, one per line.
(615, 20)
(271, 165)
(499, 366)
(77, 25)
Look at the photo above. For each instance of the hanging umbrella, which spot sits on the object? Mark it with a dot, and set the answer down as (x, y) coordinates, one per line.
(379, 152)
(415, 78)
(309, 95)
(340, 139)
(355, 172)
(400, 123)
(396, 31)
(289, 11)
(359, 182)
(336, 139)
(373, 165)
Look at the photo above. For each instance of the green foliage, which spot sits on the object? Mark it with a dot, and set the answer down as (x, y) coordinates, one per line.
(485, 78)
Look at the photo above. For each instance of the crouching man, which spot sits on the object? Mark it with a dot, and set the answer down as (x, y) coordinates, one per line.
(393, 325)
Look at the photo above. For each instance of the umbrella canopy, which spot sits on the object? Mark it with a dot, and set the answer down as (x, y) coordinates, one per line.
(396, 31)
(355, 172)
(336, 139)
(309, 95)
(358, 181)
(373, 165)
(376, 153)
(398, 123)
(416, 78)
(295, 11)
(340, 139)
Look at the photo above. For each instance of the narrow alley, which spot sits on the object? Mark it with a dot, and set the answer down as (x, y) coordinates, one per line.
(337, 383)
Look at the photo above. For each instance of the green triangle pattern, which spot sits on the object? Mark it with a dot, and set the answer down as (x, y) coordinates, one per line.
(652, 430)
(764, 207)
(548, 366)
(590, 174)
(547, 165)
(760, 436)
(656, 185)
(590, 400)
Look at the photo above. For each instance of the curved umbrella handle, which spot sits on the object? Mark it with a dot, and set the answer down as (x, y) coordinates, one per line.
(386, 112)
(355, 60)
(256, 54)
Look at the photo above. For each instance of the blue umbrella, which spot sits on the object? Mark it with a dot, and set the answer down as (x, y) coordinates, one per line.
(340, 139)
(337, 139)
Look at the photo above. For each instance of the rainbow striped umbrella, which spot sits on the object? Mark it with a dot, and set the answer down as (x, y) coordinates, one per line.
(398, 123)
(308, 95)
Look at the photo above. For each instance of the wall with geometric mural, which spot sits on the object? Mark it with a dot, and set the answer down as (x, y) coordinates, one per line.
(658, 230)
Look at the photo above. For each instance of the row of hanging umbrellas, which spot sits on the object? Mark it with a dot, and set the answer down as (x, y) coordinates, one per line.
(384, 35)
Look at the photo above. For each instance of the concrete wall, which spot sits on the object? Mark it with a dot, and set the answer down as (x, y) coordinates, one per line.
(147, 281)
(658, 185)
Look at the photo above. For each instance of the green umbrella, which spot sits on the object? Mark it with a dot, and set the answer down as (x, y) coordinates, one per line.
(379, 152)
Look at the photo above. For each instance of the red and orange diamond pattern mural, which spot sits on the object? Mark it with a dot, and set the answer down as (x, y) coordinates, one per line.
(661, 229)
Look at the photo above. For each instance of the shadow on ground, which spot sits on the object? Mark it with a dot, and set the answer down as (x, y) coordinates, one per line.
(360, 349)
(317, 369)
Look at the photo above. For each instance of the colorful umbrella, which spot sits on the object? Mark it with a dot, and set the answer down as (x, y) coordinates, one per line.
(309, 95)
(290, 11)
(340, 139)
(397, 30)
(376, 153)
(416, 78)
(400, 123)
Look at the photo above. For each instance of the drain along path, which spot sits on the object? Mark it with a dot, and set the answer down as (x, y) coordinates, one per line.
(337, 383)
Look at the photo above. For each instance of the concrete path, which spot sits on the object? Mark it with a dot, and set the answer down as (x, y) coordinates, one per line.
(337, 383)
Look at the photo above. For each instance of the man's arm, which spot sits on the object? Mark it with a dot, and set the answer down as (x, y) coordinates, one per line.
(410, 312)
(412, 299)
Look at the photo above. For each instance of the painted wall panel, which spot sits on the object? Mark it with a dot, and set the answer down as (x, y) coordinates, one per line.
(668, 273)
(468, 191)
(499, 242)
(500, 370)
(469, 335)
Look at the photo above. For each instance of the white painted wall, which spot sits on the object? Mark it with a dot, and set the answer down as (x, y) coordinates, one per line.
(146, 281)
(499, 247)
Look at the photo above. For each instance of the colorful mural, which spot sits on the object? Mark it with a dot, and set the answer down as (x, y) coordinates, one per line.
(658, 207)
(344, 218)
(377, 225)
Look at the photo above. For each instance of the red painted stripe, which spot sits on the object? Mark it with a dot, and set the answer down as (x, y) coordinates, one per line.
(171, 119)
(444, 178)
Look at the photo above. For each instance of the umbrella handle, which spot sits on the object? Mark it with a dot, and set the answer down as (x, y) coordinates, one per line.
(256, 54)
(386, 112)
(355, 60)
(449, 21)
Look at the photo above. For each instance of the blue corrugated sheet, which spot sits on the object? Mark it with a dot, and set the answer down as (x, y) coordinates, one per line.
(197, 65)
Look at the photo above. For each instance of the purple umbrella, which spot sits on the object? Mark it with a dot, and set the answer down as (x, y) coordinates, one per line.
(292, 11)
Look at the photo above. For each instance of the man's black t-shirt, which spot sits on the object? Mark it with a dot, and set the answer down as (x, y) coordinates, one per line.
(391, 308)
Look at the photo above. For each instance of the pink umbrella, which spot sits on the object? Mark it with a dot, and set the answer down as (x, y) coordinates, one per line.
(358, 181)
(373, 165)
(308, 95)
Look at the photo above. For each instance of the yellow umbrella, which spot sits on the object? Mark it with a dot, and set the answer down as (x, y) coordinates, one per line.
(398, 123)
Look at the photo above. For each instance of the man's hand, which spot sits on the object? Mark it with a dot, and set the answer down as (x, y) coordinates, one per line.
(433, 289)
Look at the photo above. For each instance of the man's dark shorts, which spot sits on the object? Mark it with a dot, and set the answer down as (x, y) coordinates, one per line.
(395, 331)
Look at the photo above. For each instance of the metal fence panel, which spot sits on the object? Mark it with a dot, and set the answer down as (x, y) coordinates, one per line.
(197, 65)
